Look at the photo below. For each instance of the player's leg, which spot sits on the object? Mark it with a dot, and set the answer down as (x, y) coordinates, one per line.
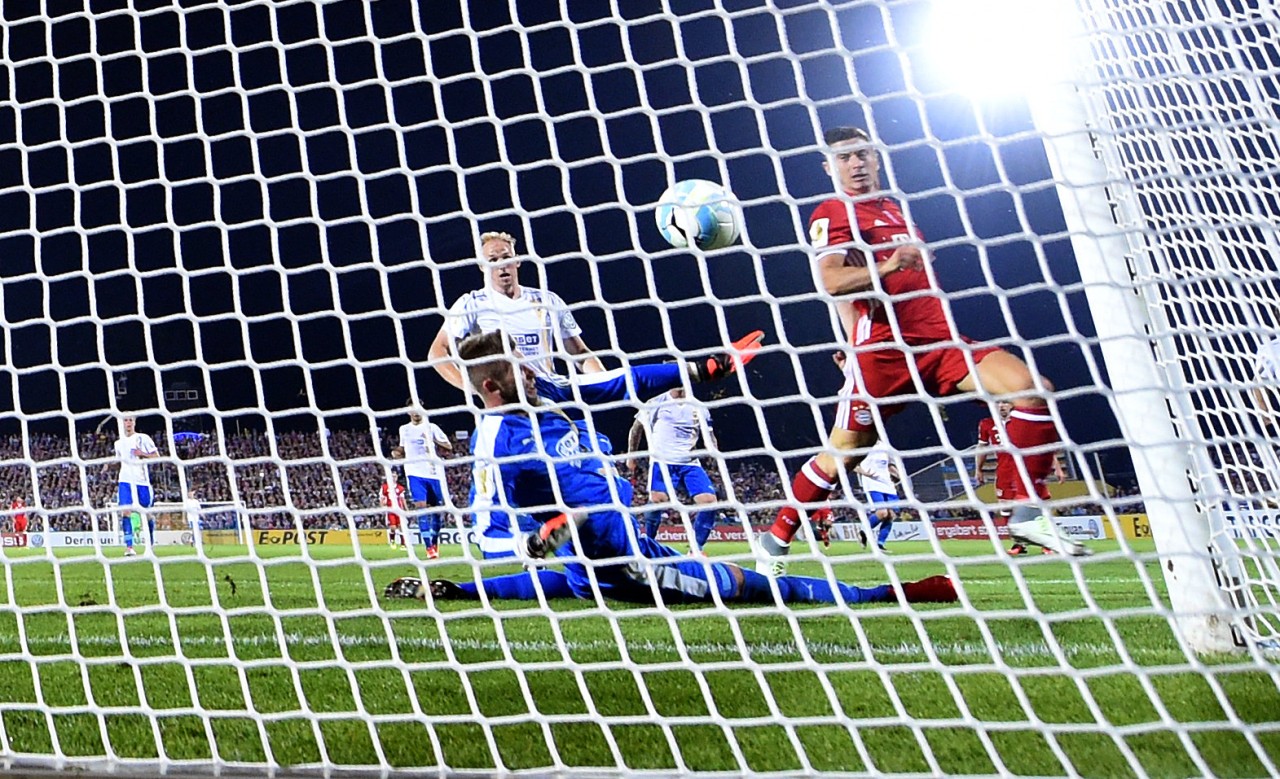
(698, 485)
(125, 500)
(809, 589)
(886, 527)
(877, 373)
(145, 502)
(659, 492)
(813, 483)
(1029, 427)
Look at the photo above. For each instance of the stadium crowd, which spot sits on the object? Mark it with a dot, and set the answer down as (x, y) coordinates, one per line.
(294, 474)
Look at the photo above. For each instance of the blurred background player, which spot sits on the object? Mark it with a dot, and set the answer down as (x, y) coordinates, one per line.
(424, 471)
(891, 312)
(133, 495)
(393, 499)
(19, 507)
(877, 474)
(1006, 469)
(673, 426)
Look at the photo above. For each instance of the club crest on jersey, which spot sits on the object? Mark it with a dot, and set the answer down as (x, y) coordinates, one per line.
(818, 232)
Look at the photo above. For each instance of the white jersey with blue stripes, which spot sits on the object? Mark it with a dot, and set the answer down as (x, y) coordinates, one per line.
(535, 319)
(673, 426)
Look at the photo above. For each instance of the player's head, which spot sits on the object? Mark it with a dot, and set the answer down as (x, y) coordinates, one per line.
(416, 413)
(127, 423)
(493, 365)
(498, 256)
(852, 160)
(677, 393)
(1003, 408)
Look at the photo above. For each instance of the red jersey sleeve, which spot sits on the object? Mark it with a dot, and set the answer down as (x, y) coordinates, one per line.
(986, 431)
(829, 226)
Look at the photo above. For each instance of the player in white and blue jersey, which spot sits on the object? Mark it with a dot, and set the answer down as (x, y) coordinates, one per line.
(420, 442)
(537, 320)
(133, 494)
(673, 426)
(877, 474)
(550, 466)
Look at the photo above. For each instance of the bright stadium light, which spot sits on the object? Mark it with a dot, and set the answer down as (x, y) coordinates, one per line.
(999, 48)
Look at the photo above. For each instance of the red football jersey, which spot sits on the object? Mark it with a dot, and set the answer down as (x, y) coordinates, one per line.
(921, 317)
(988, 433)
(392, 517)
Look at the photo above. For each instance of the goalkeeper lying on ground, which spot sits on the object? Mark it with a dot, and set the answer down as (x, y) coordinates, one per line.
(559, 464)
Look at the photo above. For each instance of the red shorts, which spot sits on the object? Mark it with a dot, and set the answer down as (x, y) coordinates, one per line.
(1008, 480)
(393, 520)
(19, 524)
(881, 371)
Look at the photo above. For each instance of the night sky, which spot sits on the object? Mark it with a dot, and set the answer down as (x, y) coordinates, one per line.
(272, 204)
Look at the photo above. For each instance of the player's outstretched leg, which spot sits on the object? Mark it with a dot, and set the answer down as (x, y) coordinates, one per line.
(807, 589)
(1029, 525)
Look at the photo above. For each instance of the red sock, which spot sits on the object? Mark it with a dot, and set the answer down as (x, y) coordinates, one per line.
(1028, 428)
(809, 486)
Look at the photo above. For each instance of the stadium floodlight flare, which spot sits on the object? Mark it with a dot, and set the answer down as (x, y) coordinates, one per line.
(277, 201)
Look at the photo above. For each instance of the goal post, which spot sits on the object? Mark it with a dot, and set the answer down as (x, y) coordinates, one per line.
(251, 219)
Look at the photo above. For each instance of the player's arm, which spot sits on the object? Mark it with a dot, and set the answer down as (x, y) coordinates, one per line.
(652, 380)
(836, 278)
(146, 451)
(634, 437)
(587, 362)
(442, 440)
(440, 355)
(979, 460)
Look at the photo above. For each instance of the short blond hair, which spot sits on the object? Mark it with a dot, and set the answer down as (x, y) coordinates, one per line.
(497, 236)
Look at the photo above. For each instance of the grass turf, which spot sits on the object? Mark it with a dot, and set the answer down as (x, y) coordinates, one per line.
(282, 659)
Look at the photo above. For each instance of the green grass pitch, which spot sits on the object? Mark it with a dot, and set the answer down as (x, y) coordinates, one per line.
(300, 663)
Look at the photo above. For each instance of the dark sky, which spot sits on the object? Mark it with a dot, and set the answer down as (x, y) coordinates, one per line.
(273, 204)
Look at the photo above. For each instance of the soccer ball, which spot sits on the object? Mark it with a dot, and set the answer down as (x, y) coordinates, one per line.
(698, 213)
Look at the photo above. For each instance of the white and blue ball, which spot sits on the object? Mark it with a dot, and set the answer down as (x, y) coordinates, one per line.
(700, 213)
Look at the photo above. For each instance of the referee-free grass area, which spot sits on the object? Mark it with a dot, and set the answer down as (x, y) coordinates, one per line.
(1045, 668)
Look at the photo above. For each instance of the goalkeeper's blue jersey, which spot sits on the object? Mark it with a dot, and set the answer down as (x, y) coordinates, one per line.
(510, 475)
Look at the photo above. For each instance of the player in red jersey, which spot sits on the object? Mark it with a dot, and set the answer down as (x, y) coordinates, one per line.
(19, 507)
(393, 498)
(898, 326)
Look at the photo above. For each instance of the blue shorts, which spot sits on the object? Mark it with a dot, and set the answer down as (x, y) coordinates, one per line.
(428, 491)
(125, 495)
(882, 497)
(690, 476)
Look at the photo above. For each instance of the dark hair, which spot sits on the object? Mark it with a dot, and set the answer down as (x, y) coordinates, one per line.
(849, 133)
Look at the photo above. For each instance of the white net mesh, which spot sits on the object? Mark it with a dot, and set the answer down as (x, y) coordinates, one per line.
(245, 222)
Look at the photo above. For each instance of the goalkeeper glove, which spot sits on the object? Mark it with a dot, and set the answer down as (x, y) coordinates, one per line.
(553, 534)
(718, 366)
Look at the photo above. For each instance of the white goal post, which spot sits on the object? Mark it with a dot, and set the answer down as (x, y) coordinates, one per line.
(245, 223)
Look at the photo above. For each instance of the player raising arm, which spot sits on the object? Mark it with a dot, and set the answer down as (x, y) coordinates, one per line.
(892, 312)
(551, 468)
(673, 426)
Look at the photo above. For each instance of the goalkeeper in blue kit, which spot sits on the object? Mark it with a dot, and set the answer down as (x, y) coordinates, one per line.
(551, 467)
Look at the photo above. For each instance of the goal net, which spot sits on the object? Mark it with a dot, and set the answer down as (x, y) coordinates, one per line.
(244, 223)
